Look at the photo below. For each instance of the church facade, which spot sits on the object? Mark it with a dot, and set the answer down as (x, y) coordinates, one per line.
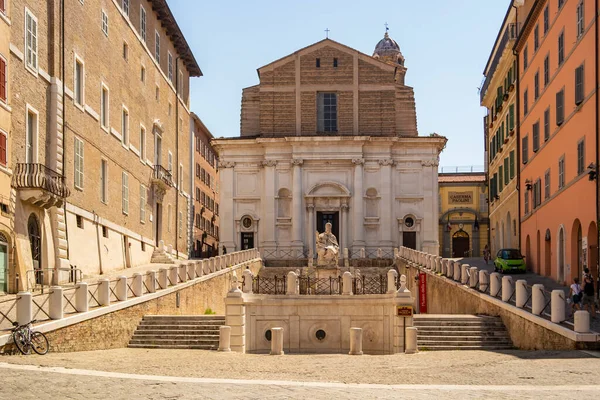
(329, 135)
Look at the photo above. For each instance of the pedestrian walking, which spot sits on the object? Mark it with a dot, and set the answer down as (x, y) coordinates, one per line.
(486, 254)
(575, 295)
(588, 301)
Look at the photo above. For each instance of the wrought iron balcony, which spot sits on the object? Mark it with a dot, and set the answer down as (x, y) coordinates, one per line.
(162, 177)
(40, 185)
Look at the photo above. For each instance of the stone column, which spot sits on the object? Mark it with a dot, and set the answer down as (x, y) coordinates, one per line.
(292, 283)
(151, 281)
(392, 275)
(121, 291)
(357, 205)
(267, 223)
(464, 273)
(473, 277)
(582, 321)
(537, 299)
(227, 231)
(344, 231)
(484, 280)
(137, 284)
(163, 281)
(495, 284)
(430, 227)
(355, 342)
(387, 199)
(346, 283)
(310, 235)
(235, 317)
(297, 204)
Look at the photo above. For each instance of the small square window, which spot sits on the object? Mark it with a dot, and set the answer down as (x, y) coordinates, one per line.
(318, 63)
(335, 62)
(125, 51)
(143, 74)
(143, 246)
(79, 219)
(104, 231)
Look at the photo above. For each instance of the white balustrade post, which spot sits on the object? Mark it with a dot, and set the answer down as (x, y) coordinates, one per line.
(444, 265)
(473, 277)
(121, 289)
(456, 275)
(484, 280)
(137, 284)
(507, 288)
(163, 278)
(438, 264)
(247, 274)
(204, 267)
(173, 276)
(396, 253)
(464, 273)
(104, 292)
(182, 272)
(224, 338)
(411, 340)
(24, 304)
(582, 321)
(521, 293)
(392, 276)
(198, 266)
(537, 299)
(495, 284)
(355, 342)
(557, 306)
(347, 283)
(151, 281)
(56, 301)
(82, 297)
(191, 270)
(276, 341)
(292, 283)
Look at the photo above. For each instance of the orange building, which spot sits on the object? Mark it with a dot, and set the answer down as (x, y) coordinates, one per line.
(557, 60)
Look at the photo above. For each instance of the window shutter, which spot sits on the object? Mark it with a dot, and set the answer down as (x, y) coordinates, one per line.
(560, 107)
(524, 148)
(142, 203)
(125, 193)
(579, 85)
(512, 164)
(2, 79)
(506, 177)
(3, 151)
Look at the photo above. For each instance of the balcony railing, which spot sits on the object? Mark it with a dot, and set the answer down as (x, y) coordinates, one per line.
(510, 35)
(38, 176)
(162, 174)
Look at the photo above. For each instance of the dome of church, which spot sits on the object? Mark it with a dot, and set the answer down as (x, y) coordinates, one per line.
(388, 50)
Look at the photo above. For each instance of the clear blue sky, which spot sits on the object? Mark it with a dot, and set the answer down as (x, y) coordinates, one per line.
(446, 45)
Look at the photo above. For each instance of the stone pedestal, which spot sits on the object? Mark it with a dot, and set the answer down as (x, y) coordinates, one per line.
(355, 342)
(224, 338)
(582, 322)
(276, 341)
(411, 340)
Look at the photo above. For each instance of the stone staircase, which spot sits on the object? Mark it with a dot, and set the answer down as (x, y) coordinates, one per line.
(178, 332)
(461, 332)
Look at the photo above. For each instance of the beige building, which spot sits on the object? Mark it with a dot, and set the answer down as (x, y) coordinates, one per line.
(498, 95)
(205, 237)
(6, 235)
(100, 102)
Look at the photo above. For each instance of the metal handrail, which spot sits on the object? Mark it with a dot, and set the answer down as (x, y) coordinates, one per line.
(163, 174)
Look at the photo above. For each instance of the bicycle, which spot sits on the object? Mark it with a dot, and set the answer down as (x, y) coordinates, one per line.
(26, 339)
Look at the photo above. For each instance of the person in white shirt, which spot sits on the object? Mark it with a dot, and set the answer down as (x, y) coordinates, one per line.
(575, 294)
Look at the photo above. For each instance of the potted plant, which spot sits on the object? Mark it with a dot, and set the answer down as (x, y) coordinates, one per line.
(505, 97)
(511, 87)
(505, 140)
(512, 132)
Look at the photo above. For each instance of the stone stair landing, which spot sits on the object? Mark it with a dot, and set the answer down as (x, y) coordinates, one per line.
(461, 332)
(178, 332)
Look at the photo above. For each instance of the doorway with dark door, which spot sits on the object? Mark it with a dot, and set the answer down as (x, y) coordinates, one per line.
(127, 247)
(460, 244)
(35, 241)
(332, 217)
(247, 240)
(158, 222)
(409, 240)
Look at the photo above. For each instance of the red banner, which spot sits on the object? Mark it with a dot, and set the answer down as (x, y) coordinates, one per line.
(423, 293)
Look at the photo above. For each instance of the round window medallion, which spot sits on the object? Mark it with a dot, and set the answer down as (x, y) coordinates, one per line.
(247, 222)
(460, 226)
(320, 334)
(268, 335)
(409, 222)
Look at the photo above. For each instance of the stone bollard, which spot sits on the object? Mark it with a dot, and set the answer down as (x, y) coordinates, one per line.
(473, 275)
(82, 297)
(247, 274)
(464, 273)
(56, 301)
(484, 280)
(444, 266)
(355, 342)
(163, 278)
(347, 283)
(392, 276)
(495, 284)
(411, 340)
(137, 285)
(191, 271)
(173, 276)
(121, 291)
(456, 275)
(151, 281)
(557, 306)
(199, 271)
(224, 338)
(507, 288)
(182, 272)
(292, 283)
(276, 341)
(582, 321)
(104, 292)
(521, 293)
(537, 299)
(24, 303)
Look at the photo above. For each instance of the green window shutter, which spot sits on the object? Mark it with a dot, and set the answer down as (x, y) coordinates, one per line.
(512, 164)
(500, 178)
(511, 112)
(506, 177)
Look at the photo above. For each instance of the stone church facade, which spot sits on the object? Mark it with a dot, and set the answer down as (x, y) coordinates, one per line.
(330, 135)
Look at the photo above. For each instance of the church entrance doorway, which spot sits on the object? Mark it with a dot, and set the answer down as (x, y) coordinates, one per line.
(332, 217)
(460, 244)
(247, 240)
(409, 240)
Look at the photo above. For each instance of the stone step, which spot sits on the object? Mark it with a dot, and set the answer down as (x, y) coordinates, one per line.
(153, 336)
(170, 331)
(185, 317)
(180, 327)
(456, 323)
(463, 343)
(160, 346)
(462, 348)
(449, 338)
(492, 328)
(429, 333)
(174, 341)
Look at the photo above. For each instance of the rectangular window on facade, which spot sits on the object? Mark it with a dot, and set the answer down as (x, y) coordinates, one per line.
(506, 172)
(561, 48)
(104, 23)
(125, 126)
(318, 63)
(525, 149)
(143, 74)
(580, 19)
(526, 101)
(547, 124)
(125, 51)
(31, 137)
(546, 19)
(500, 179)
(546, 70)
(126, 7)
(180, 223)
(536, 86)
(580, 157)
(78, 164)
(536, 136)
(104, 181)
(143, 23)
(31, 41)
(78, 82)
(526, 198)
(157, 46)
(536, 38)
(547, 185)
(327, 112)
(104, 231)
(579, 88)
(3, 80)
(170, 65)
(511, 114)
(104, 108)
(198, 194)
(512, 164)
(142, 204)
(142, 143)
(180, 178)
(560, 107)
(525, 58)
(561, 172)
(125, 192)
(3, 148)
(79, 221)
(335, 63)
(169, 218)
(170, 162)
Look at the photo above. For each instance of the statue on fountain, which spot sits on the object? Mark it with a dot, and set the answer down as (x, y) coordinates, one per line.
(328, 249)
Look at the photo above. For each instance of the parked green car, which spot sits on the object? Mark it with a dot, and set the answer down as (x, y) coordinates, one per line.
(509, 260)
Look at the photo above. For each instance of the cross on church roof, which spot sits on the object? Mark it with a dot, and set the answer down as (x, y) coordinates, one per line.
(386, 27)
(327, 33)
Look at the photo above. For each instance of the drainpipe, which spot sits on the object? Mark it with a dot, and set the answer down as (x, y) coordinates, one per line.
(518, 124)
(64, 117)
(177, 155)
